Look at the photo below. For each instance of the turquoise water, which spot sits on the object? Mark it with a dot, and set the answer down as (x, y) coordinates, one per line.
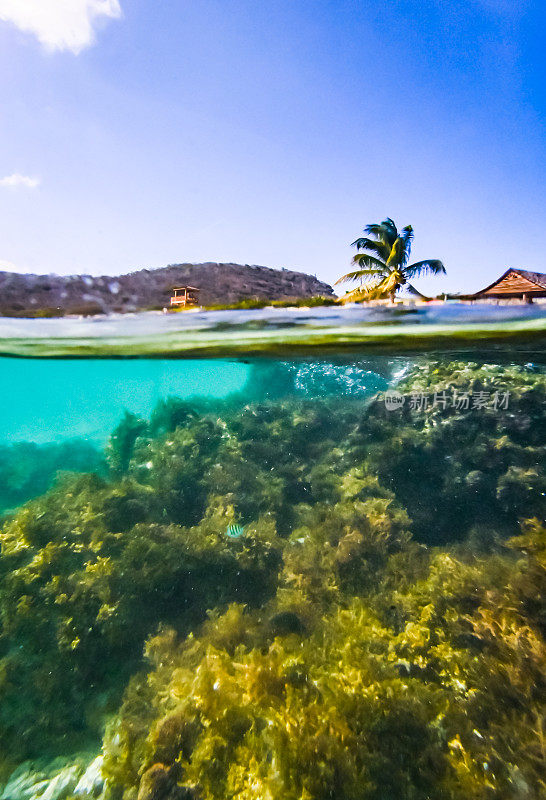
(47, 400)
(316, 574)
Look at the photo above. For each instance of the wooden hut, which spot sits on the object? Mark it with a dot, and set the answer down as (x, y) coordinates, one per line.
(185, 296)
(514, 284)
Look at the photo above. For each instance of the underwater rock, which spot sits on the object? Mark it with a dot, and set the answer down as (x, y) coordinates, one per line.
(159, 783)
(62, 785)
(30, 783)
(285, 623)
(22, 783)
(91, 782)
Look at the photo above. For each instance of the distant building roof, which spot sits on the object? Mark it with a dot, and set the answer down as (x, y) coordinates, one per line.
(515, 283)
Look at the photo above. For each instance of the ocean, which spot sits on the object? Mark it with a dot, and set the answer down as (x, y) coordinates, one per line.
(287, 553)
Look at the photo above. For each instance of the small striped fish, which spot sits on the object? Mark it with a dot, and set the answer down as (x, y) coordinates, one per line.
(234, 531)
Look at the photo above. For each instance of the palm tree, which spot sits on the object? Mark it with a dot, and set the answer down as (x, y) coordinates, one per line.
(383, 266)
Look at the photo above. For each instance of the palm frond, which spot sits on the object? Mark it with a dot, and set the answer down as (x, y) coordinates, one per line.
(431, 266)
(366, 261)
(412, 290)
(381, 290)
(359, 274)
(385, 231)
(384, 288)
(382, 249)
(393, 281)
(376, 229)
(363, 293)
(407, 237)
(357, 295)
(398, 256)
(390, 227)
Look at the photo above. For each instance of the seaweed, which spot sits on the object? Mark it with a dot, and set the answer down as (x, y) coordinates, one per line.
(376, 631)
(478, 466)
(443, 701)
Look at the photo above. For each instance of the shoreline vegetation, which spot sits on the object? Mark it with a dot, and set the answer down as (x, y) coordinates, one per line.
(242, 305)
(362, 638)
(263, 302)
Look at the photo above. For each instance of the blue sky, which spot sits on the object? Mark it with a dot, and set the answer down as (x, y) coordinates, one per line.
(136, 133)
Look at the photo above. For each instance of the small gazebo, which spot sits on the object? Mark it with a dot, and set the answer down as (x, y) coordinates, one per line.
(185, 296)
(514, 284)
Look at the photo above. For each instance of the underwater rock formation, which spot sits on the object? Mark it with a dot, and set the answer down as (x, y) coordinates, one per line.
(56, 780)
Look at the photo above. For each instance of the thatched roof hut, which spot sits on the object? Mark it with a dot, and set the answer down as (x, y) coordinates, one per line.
(514, 284)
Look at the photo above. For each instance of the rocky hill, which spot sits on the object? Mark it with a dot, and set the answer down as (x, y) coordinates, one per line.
(54, 295)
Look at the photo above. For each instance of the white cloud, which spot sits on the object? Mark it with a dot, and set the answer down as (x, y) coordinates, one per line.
(16, 180)
(60, 24)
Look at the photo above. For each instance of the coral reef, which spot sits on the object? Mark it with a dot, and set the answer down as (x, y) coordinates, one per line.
(377, 630)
